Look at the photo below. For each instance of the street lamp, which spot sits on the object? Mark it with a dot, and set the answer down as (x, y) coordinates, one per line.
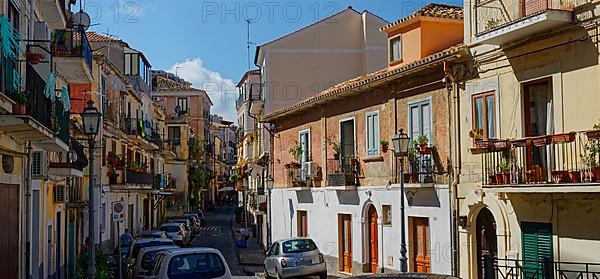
(401, 142)
(91, 123)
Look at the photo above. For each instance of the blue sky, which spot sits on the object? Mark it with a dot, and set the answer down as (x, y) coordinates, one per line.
(205, 41)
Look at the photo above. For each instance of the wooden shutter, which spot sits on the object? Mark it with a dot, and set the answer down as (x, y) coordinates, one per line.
(536, 240)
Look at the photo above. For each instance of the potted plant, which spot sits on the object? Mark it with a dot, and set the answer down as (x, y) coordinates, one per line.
(296, 152)
(503, 176)
(384, 145)
(595, 133)
(562, 138)
(422, 141)
(590, 159)
(21, 99)
(335, 146)
(476, 134)
(33, 58)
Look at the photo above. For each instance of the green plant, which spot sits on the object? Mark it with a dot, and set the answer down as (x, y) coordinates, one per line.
(334, 145)
(296, 151)
(422, 139)
(597, 126)
(476, 134)
(412, 150)
(22, 97)
(503, 166)
(103, 262)
(590, 154)
(384, 142)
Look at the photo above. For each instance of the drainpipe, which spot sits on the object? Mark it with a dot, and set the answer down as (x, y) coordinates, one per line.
(450, 83)
(28, 211)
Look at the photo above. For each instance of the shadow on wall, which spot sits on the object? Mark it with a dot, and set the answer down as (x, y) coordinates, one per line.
(304, 196)
(426, 197)
(348, 197)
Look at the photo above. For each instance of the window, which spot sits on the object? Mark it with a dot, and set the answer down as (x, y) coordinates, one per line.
(132, 64)
(13, 15)
(298, 246)
(420, 119)
(103, 93)
(36, 163)
(372, 126)
(386, 209)
(305, 155)
(183, 105)
(484, 114)
(396, 48)
(175, 135)
(274, 251)
(197, 265)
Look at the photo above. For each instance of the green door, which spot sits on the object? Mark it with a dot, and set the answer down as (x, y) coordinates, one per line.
(537, 247)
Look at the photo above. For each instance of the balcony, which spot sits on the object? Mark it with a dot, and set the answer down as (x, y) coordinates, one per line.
(342, 173)
(256, 104)
(539, 269)
(498, 22)
(145, 179)
(72, 55)
(241, 100)
(559, 163)
(39, 120)
(53, 12)
(303, 176)
(66, 166)
(419, 168)
(76, 196)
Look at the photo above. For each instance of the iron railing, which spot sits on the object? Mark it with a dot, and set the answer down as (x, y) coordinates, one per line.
(559, 158)
(343, 171)
(419, 165)
(494, 268)
(72, 43)
(139, 178)
(494, 14)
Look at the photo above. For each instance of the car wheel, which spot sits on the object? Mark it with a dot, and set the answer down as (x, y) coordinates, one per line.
(266, 274)
(323, 275)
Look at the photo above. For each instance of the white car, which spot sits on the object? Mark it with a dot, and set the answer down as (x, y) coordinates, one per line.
(145, 257)
(140, 243)
(177, 233)
(206, 263)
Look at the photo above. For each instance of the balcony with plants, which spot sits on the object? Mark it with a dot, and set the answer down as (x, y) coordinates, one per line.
(68, 164)
(73, 55)
(561, 160)
(498, 22)
(420, 165)
(137, 174)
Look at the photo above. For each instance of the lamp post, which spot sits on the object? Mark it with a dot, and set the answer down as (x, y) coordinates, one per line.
(401, 142)
(91, 123)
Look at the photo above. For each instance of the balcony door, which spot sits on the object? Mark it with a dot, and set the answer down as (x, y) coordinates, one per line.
(347, 143)
(538, 119)
(305, 155)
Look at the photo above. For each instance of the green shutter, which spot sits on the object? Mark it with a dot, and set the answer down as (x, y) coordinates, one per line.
(537, 246)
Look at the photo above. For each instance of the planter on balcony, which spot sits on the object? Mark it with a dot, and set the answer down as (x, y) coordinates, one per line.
(425, 149)
(540, 140)
(563, 138)
(411, 178)
(483, 144)
(502, 178)
(492, 179)
(575, 176)
(19, 109)
(559, 176)
(501, 144)
(520, 142)
(593, 134)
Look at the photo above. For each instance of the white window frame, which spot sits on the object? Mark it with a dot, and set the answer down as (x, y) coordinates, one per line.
(391, 48)
(340, 132)
(427, 100)
(377, 137)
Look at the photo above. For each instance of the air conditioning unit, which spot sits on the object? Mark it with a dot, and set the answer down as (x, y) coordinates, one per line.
(59, 193)
(39, 165)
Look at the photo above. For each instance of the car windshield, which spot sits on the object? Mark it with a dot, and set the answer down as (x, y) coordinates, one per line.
(200, 265)
(138, 246)
(149, 258)
(298, 246)
(170, 229)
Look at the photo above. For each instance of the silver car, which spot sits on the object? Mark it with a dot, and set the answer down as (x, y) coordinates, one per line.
(206, 263)
(144, 260)
(294, 257)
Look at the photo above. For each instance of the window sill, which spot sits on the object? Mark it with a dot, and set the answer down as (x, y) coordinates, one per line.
(396, 62)
(373, 159)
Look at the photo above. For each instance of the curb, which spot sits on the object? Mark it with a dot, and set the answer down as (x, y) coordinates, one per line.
(237, 252)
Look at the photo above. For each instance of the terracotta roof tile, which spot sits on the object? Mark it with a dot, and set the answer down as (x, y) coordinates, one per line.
(97, 37)
(367, 79)
(432, 10)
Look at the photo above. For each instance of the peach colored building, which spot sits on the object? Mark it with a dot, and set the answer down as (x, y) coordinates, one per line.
(333, 166)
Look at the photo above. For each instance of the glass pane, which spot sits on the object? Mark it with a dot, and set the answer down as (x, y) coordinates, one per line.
(415, 127)
(127, 64)
(478, 108)
(135, 66)
(426, 120)
(491, 123)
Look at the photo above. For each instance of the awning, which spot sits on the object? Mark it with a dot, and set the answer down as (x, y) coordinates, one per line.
(226, 189)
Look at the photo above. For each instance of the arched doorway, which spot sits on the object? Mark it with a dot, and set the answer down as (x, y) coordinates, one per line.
(373, 242)
(485, 230)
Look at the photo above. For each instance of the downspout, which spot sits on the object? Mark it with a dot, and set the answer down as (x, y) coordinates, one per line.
(28, 221)
(452, 179)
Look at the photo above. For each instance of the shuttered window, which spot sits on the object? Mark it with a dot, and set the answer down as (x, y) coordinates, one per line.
(537, 247)
(420, 119)
(372, 133)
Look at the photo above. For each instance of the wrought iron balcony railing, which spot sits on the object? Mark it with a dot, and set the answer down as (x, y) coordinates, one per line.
(139, 178)
(569, 158)
(419, 166)
(494, 268)
(343, 171)
(72, 43)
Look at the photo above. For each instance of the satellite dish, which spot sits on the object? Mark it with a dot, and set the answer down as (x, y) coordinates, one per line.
(82, 20)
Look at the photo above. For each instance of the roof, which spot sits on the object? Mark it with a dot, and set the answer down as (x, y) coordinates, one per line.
(431, 10)
(246, 74)
(97, 37)
(368, 79)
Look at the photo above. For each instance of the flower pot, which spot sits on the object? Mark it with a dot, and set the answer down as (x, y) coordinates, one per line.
(19, 109)
(593, 134)
(492, 180)
(596, 172)
(499, 179)
(559, 176)
(520, 142)
(336, 156)
(561, 138)
(482, 144)
(34, 58)
(574, 176)
(384, 148)
(501, 144)
(505, 177)
(540, 140)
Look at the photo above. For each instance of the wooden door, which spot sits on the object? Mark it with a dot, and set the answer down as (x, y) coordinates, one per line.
(302, 224)
(345, 242)
(421, 258)
(9, 239)
(373, 241)
(486, 239)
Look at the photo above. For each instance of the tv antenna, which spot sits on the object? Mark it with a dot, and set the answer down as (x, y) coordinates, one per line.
(248, 42)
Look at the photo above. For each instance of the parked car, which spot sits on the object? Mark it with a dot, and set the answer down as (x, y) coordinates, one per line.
(187, 225)
(176, 232)
(201, 216)
(203, 263)
(195, 222)
(294, 257)
(140, 243)
(408, 275)
(153, 234)
(143, 262)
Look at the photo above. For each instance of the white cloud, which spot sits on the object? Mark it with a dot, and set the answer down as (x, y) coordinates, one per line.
(222, 91)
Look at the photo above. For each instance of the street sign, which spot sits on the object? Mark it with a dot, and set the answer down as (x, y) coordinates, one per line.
(117, 211)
